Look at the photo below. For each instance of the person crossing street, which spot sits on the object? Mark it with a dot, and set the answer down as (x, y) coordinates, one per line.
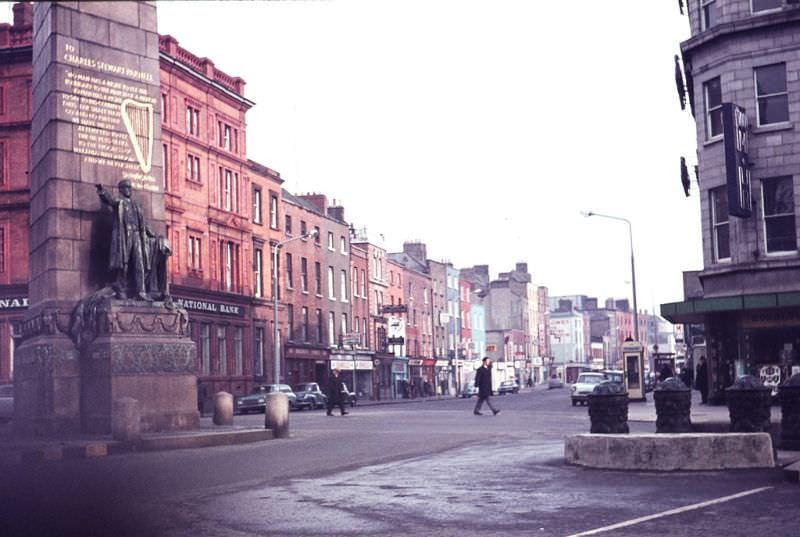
(483, 381)
(335, 397)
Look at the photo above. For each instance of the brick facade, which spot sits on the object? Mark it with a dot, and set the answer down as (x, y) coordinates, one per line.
(15, 143)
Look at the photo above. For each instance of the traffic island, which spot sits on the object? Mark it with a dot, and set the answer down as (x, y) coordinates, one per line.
(669, 452)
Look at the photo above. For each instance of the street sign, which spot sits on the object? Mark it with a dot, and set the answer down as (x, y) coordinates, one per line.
(394, 308)
(396, 340)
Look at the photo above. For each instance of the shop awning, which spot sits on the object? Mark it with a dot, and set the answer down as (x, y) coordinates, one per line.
(694, 310)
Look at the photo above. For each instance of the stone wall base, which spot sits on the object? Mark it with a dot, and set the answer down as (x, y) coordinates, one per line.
(159, 372)
(668, 452)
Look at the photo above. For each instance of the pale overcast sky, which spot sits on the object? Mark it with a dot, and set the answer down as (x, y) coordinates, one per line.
(482, 128)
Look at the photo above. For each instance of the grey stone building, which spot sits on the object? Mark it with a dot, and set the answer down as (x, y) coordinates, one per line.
(742, 72)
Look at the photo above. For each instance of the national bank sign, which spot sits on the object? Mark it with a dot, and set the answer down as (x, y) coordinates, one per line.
(16, 303)
(210, 307)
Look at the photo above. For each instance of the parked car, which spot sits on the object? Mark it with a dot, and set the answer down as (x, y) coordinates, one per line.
(584, 385)
(469, 390)
(349, 397)
(310, 396)
(554, 383)
(255, 402)
(507, 386)
(6, 402)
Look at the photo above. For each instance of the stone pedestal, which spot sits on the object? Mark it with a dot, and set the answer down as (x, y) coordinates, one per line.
(140, 351)
(47, 381)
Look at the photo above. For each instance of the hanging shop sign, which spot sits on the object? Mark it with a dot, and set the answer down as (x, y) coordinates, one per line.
(737, 163)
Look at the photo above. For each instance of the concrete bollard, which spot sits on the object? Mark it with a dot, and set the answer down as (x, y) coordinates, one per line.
(608, 409)
(223, 408)
(749, 405)
(276, 414)
(673, 407)
(126, 420)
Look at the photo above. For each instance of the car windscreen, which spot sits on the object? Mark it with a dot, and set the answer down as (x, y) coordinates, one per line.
(303, 388)
(590, 379)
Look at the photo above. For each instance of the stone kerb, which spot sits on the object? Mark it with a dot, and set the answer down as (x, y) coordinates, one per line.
(670, 452)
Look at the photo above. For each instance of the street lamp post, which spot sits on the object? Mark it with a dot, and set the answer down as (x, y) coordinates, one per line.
(276, 246)
(633, 270)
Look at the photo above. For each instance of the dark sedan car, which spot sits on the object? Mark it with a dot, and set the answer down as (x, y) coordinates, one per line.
(310, 396)
(255, 402)
(507, 386)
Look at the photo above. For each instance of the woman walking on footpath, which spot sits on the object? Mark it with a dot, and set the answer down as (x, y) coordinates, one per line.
(483, 381)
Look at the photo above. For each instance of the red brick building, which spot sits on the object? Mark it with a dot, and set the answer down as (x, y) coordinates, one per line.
(222, 209)
(384, 288)
(304, 290)
(15, 128)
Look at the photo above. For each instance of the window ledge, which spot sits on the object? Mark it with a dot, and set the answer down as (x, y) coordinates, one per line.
(774, 127)
(713, 141)
(781, 253)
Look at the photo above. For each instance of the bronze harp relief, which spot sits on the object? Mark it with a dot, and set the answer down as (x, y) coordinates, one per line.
(138, 119)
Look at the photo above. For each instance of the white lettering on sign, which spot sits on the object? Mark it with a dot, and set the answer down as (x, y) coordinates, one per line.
(13, 303)
(210, 307)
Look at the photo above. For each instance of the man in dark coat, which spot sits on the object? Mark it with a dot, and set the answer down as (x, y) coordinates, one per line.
(701, 380)
(129, 256)
(483, 381)
(335, 393)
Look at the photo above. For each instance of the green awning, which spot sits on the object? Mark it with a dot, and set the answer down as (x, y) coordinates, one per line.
(693, 310)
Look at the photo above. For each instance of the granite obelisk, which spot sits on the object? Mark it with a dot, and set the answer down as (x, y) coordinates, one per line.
(96, 121)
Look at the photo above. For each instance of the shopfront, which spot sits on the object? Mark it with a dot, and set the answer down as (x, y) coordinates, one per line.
(401, 368)
(743, 337)
(383, 376)
(306, 363)
(356, 369)
(443, 373)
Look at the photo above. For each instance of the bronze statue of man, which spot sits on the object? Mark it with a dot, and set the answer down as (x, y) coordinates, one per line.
(129, 256)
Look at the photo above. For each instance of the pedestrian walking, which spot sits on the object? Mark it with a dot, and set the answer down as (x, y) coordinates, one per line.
(335, 393)
(483, 381)
(701, 380)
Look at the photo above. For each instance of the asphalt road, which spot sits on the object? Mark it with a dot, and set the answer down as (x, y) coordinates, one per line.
(418, 468)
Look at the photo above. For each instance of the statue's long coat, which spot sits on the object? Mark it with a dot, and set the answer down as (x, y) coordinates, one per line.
(119, 254)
